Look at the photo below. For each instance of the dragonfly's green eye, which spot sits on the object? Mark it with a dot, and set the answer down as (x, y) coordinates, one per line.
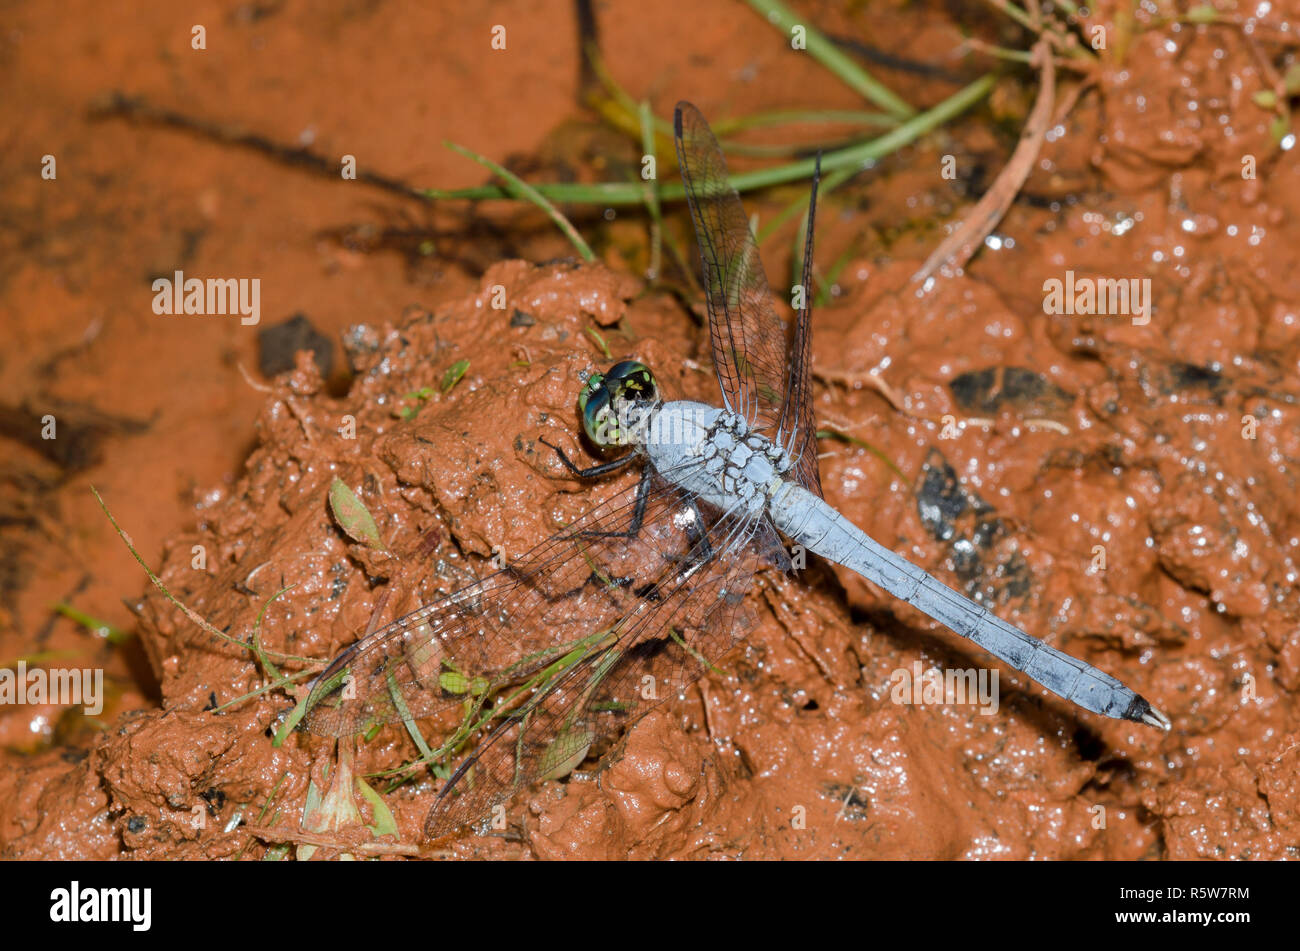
(632, 380)
(596, 415)
(613, 404)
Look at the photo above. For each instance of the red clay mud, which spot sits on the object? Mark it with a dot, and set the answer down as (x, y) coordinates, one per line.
(1019, 444)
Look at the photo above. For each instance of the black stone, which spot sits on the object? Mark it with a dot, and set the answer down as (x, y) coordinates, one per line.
(278, 343)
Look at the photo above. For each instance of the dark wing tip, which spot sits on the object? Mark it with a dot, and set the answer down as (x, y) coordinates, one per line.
(677, 117)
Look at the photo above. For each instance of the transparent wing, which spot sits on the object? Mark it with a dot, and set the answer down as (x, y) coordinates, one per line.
(749, 339)
(797, 410)
(761, 378)
(693, 617)
(507, 626)
(513, 664)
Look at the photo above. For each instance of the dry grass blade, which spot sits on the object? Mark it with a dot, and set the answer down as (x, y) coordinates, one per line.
(956, 250)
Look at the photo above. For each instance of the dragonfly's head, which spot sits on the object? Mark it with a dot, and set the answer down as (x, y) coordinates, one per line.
(616, 406)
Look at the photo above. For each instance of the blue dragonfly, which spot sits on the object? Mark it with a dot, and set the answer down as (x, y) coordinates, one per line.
(524, 674)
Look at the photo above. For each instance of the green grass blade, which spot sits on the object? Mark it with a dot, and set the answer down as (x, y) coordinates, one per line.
(863, 444)
(759, 120)
(652, 188)
(403, 711)
(182, 606)
(834, 59)
(841, 171)
(851, 158)
(114, 635)
(518, 188)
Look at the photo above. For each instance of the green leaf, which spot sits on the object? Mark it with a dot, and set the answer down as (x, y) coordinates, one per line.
(384, 824)
(453, 374)
(420, 396)
(1292, 79)
(353, 517)
(453, 682)
(1280, 127)
(565, 754)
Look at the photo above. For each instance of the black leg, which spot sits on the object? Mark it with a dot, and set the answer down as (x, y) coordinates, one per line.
(591, 472)
(638, 519)
(638, 513)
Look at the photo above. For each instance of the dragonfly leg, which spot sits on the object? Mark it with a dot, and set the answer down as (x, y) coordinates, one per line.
(591, 472)
(632, 531)
(638, 513)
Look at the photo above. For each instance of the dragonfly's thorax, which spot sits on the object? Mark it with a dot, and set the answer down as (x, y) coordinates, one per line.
(713, 453)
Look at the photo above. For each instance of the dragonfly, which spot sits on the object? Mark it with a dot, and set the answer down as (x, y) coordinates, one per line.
(527, 672)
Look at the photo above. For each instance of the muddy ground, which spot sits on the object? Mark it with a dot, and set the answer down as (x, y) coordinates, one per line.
(1122, 489)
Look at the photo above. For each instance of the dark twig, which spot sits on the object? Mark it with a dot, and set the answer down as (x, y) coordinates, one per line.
(118, 105)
